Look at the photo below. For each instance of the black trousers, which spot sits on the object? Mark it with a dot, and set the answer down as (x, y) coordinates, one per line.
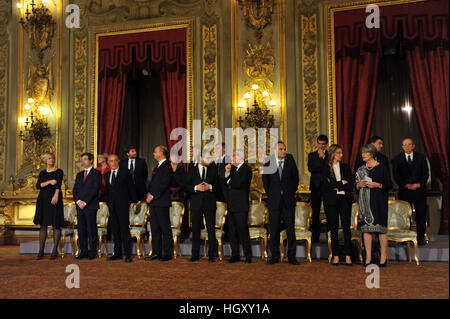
(87, 232)
(239, 233)
(316, 200)
(342, 209)
(120, 224)
(419, 200)
(161, 231)
(197, 221)
(275, 216)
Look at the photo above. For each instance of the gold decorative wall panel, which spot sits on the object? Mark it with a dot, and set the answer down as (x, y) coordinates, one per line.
(5, 10)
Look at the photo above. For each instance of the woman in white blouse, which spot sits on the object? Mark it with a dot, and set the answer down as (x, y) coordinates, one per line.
(338, 199)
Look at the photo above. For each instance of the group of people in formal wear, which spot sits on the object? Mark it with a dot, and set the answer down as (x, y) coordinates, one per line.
(121, 184)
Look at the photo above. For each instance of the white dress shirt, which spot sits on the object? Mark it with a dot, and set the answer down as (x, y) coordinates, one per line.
(410, 155)
(200, 171)
(160, 162)
(337, 173)
(134, 163)
(237, 168)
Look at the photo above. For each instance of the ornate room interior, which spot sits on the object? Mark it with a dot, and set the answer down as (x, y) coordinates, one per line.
(271, 67)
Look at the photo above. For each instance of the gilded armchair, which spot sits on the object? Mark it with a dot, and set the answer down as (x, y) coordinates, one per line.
(70, 213)
(257, 219)
(138, 216)
(221, 213)
(303, 215)
(399, 226)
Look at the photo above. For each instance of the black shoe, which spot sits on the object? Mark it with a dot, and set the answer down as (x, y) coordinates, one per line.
(315, 240)
(152, 257)
(293, 261)
(39, 256)
(211, 259)
(166, 258)
(272, 261)
(81, 257)
(234, 259)
(53, 256)
(365, 265)
(421, 242)
(383, 265)
(128, 259)
(194, 258)
(114, 257)
(248, 260)
(92, 257)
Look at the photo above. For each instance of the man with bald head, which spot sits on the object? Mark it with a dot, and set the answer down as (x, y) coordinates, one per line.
(120, 198)
(410, 170)
(159, 199)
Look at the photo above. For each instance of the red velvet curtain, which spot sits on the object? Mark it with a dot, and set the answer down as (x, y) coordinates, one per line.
(162, 51)
(419, 30)
(110, 111)
(173, 91)
(429, 81)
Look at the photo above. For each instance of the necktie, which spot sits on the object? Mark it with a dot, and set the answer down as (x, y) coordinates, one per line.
(132, 169)
(280, 168)
(113, 180)
(203, 173)
(85, 175)
(409, 160)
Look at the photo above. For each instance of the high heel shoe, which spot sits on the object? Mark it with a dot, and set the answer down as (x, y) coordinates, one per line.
(348, 264)
(39, 256)
(335, 264)
(53, 256)
(383, 265)
(365, 265)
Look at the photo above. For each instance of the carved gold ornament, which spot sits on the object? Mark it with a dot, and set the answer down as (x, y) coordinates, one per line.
(257, 13)
(259, 64)
(40, 82)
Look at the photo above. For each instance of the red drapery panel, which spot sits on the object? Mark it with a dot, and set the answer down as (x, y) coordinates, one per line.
(419, 30)
(110, 111)
(163, 51)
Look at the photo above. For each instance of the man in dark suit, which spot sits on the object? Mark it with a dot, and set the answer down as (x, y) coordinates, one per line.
(222, 160)
(120, 197)
(159, 199)
(280, 187)
(376, 141)
(238, 177)
(85, 194)
(316, 164)
(138, 169)
(202, 184)
(410, 170)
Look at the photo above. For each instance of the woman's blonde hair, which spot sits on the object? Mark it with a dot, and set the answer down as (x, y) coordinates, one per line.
(45, 157)
(104, 155)
(333, 148)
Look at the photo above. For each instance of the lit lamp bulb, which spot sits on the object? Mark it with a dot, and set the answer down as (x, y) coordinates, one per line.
(272, 103)
(265, 94)
(41, 109)
(255, 86)
(45, 111)
(240, 105)
(27, 106)
(21, 120)
(19, 5)
(247, 96)
(44, 1)
(30, 100)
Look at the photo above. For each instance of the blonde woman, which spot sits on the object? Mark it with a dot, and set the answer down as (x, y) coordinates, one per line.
(49, 204)
(103, 168)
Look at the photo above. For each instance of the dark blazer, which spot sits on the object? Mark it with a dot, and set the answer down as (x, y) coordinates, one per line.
(238, 188)
(221, 174)
(316, 165)
(140, 174)
(382, 159)
(206, 199)
(404, 174)
(159, 185)
(122, 194)
(88, 191)
(287, 185)
(330, 195)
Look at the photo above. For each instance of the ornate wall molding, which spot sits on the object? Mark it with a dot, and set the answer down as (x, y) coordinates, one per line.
(210, 66)
(5, 14)
(309, 77)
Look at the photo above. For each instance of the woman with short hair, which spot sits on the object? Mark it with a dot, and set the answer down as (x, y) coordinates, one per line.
(49, 204)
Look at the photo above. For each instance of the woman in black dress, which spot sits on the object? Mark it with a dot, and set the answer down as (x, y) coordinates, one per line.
(373, 182)
(49, 204)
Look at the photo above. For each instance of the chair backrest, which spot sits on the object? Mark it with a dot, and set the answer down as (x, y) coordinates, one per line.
(399, 215)
(221, 214)
(303, 215)
(354, 216)
(138, 214)
(257, 214)
(70, 212)
(176, 214)
(255, 195)
(102, 215)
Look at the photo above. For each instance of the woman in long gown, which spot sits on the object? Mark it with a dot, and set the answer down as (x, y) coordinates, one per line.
(49, 204)
(373, 182)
